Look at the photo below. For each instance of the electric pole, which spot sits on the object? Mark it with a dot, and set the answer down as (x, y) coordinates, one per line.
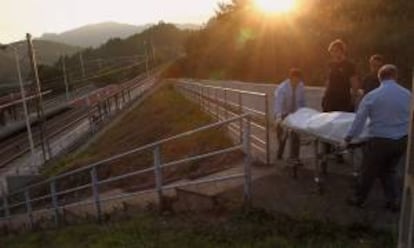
(41, 114)
(65, 78)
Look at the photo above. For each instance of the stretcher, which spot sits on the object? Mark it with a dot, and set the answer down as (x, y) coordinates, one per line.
(323, 129)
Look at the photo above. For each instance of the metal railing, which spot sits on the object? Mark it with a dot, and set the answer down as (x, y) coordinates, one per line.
(50, 197)
(223, 102)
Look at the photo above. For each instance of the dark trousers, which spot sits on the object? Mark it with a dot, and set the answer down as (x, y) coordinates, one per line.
(381, 159)
(294, 142)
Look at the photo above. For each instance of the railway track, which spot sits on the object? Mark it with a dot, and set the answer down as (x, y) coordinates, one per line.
(17, 145)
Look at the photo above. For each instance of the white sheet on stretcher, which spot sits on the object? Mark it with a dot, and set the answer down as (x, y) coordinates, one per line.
(331, 126)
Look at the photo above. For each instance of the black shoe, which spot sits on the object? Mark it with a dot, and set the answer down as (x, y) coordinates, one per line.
(355, 202)
(392, 207)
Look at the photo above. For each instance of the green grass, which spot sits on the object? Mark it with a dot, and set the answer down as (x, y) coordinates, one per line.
(257, 229)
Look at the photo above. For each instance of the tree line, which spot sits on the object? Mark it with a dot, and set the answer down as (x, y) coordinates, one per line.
(241, 43)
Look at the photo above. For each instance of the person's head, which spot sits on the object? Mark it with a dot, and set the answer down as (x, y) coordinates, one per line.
(295, 75)
(388, 72)
(375, 62)
(337, 50)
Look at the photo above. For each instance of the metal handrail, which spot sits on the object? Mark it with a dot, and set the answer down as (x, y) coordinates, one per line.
(202, 96)
(231, 103)
(225, 88)
(155, 145)
(253, 93)
(132, 151)
(198, 157)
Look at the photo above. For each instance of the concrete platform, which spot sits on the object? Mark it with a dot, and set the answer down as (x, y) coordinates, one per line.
(278, 192)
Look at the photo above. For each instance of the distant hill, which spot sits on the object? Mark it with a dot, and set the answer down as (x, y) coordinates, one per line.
(47, 52)
(104, 65)
(95, 35)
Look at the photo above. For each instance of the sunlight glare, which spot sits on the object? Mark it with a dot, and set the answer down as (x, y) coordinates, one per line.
(276, 6)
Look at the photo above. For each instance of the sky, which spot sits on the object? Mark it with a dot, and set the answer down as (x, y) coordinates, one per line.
(19, 17)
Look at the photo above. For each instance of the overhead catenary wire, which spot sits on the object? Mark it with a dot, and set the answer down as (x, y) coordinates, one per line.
(106, 70)
(109, 71)
(84, 82)
(92, 63)
(106, 60)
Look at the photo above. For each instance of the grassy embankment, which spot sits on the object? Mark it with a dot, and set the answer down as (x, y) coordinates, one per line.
(162, 115)
(237, 230)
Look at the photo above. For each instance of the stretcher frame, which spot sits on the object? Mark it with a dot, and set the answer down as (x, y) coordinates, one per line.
(320, 162)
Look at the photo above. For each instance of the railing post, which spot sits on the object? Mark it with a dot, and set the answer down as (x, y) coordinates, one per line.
(217, 104)
(240, 103)
(208, 103)
(95, 192)
(267, 119)
(202, 97)
(247, 163)
(28, 207)
(226, 112)
(158, 175)
(55, 203)
(194, 91)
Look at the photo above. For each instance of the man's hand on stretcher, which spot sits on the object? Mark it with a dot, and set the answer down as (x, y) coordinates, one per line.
(279, 117)
(346, 143)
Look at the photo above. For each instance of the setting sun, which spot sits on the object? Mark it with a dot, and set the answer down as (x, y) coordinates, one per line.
(276, 6)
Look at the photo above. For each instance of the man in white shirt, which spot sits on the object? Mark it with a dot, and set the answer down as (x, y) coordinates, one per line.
(289, 97)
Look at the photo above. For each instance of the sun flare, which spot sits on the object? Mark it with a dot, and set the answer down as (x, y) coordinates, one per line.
(276, 6)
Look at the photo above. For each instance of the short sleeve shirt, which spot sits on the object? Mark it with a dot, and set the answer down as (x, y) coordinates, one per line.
(337, 95)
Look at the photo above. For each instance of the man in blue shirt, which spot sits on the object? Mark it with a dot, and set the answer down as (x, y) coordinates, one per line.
(388, 110)
(289, 97)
